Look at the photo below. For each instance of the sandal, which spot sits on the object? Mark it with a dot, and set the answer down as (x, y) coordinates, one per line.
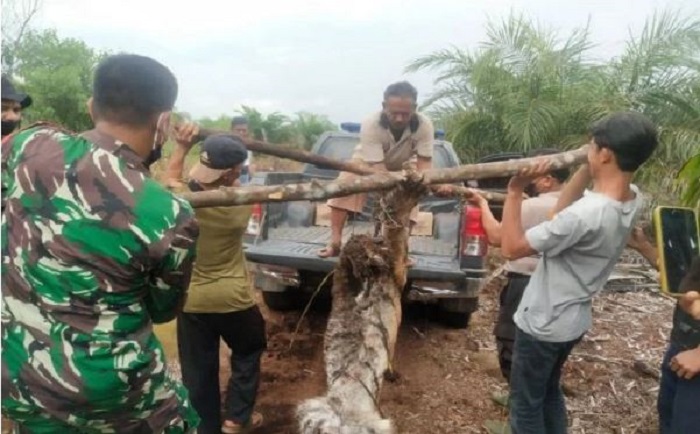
(330, 251)
(231, 427)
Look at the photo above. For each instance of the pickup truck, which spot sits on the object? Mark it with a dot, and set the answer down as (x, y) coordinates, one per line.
(283, 238)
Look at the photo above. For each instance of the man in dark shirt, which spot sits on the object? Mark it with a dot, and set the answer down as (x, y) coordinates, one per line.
(679, 391)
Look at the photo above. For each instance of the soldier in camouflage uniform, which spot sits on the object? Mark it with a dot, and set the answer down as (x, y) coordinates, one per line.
(93, 252)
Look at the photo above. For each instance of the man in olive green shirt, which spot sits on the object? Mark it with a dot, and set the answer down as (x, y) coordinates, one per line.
(220, 303)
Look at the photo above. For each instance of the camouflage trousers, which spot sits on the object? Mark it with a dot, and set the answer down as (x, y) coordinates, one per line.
(149, 401)
(38, 422)
(56, 426)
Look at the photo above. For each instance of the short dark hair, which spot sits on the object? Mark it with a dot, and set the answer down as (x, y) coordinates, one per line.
(560, 175)
(239, 120)
(631, 136)
(401, 89)
(130, 89)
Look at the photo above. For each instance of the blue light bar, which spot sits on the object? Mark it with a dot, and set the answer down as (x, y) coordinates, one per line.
(350, 127)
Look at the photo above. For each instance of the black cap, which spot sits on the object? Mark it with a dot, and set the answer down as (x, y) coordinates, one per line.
(239, 120)
(218, 154)
(9, 92)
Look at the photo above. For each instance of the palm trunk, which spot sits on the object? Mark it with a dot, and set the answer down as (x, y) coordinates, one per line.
(364, 323)
(366, 315)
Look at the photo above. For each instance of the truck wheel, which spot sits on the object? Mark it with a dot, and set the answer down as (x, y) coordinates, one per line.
(282, 301)
(457, 320)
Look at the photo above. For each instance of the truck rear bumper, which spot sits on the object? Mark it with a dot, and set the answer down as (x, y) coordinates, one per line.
(433, 280)
(425, 291)
(302, 256)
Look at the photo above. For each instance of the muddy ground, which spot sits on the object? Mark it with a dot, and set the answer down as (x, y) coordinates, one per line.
(447, 376)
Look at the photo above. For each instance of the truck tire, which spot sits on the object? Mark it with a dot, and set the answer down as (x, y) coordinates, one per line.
(281, 301)
(455, 320)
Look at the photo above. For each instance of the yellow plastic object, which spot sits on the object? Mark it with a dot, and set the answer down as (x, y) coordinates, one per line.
(666, 264)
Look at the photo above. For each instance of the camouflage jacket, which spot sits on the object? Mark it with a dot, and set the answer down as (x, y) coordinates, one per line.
(93, 251)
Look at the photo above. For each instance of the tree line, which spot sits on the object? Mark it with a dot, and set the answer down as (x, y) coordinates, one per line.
(523, 87)
(57, 73)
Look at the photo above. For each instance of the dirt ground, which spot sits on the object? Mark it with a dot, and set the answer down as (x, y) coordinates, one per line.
(447, 376)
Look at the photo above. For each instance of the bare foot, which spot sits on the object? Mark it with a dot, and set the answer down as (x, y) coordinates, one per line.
(330, 251)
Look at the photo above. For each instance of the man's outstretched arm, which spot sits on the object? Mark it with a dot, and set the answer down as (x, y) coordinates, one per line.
(573, 189)
(491, 225)
(690, 286)
(184, 140)
(551, 237)
(514, 244)
(639, 242)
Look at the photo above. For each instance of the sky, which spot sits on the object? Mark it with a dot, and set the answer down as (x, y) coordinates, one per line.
(329, 57)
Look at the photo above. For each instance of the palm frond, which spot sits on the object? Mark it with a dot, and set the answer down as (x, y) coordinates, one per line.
(689, 177)
(525, 87)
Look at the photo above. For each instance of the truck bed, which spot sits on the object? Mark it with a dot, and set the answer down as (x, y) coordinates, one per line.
(320, 236)
(291, 237)
(297, 247)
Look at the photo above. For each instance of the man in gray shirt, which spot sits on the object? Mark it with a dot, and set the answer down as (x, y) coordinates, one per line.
(535, 210)
(579, 248)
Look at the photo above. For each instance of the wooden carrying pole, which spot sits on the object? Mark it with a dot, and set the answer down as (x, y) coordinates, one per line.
(380, 181)
(295, 154)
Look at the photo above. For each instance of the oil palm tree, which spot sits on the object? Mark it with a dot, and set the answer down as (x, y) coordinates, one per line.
(310, 126)
(689, 178)
(659, 75)
(274, 127)
(524, 87)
